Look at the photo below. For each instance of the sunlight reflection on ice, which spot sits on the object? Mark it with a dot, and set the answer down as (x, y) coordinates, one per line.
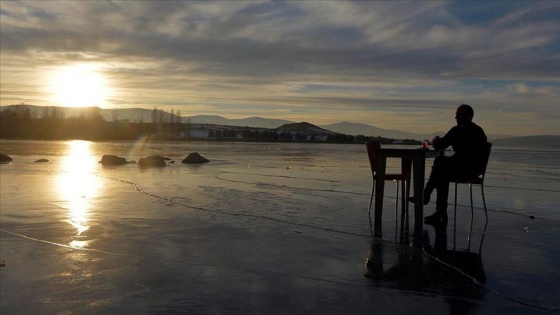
(78, 185)
(79, 244)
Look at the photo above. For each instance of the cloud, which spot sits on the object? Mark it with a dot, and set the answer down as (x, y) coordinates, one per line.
(520, 88)
(334, 56)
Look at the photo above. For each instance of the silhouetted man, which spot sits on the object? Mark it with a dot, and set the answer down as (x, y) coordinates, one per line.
(469, 143)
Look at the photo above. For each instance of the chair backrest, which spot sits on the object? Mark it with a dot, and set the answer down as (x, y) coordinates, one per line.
(372, 147)
(486, 159)
(478, 177)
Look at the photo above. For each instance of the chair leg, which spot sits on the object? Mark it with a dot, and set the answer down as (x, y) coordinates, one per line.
(396, 206)
(484, 200)
(407, 203)
(397, 200)
(371, 198)
(455, 218)
(404, 201)
(472, 212)
(455, 206)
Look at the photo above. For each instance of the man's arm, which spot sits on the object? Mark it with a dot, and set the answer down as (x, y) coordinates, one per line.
(443, 143)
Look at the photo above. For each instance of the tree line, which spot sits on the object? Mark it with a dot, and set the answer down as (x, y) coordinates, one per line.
(19, 122)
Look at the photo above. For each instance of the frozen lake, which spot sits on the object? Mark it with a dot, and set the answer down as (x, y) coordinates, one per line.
(269, 228)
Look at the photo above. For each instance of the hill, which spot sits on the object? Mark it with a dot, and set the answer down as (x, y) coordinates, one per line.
(368, 130)
(256, 122)
(304, 127)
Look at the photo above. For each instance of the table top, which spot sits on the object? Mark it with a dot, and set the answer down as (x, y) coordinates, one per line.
(416, 152)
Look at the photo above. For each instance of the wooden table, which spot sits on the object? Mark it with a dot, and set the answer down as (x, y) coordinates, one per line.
(416, 157)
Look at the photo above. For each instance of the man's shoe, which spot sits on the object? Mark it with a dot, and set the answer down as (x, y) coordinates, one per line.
(436, 218)
(432, 219)
(439, 224)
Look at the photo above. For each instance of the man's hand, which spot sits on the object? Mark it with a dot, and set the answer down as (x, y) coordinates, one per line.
(435, 141)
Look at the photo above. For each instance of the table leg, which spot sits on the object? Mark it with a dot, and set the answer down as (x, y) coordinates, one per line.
(379, 192)
(406, 169)
(419, 166)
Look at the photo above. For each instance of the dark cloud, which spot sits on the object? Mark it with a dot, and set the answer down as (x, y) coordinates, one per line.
(243, 39)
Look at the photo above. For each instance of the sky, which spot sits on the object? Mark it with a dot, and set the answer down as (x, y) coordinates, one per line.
(391, 64)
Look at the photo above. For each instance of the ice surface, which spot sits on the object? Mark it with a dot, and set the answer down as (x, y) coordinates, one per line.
(264, 228)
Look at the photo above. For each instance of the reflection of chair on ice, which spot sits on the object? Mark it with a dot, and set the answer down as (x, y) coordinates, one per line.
(457, 274)
(465, 260)
(468, 262)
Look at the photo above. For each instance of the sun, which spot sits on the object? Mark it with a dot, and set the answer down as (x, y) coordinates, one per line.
(78, 86)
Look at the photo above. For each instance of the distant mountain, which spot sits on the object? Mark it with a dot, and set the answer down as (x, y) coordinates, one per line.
(529, 141)
(130, 114)
(257, 122)
(145, 115)
(206, 119)
(368, 130)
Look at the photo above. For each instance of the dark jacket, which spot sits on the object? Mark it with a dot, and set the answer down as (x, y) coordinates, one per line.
(470, 145)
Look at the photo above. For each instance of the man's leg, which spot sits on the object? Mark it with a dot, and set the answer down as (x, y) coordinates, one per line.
(439, 179)
(438, 175)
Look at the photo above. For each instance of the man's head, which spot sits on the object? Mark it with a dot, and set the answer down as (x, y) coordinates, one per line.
(464, 114)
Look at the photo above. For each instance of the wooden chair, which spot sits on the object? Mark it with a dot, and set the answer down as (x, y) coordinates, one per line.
(372, 147)
(475, 180)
